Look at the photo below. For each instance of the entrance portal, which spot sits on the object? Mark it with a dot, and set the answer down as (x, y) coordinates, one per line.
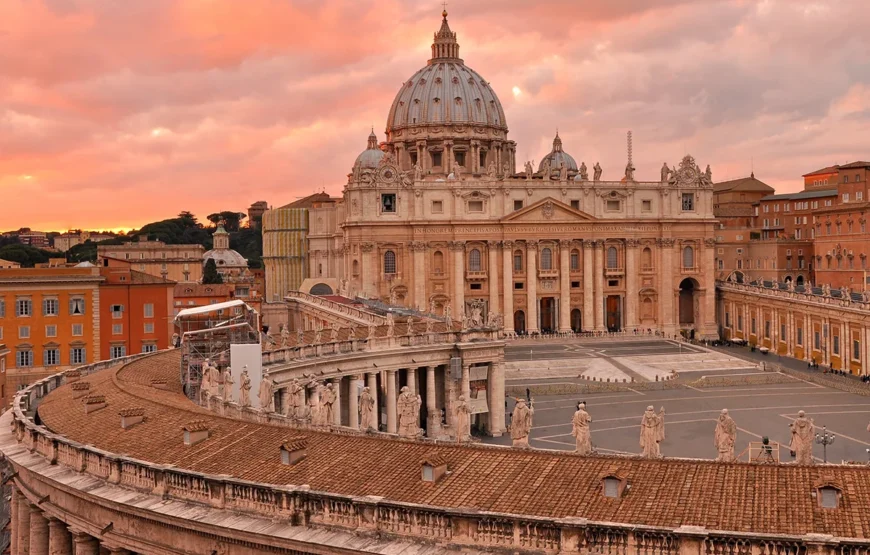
(520, 322)
(548, 315)
(576, 321)
(688, 292)
(614, 313)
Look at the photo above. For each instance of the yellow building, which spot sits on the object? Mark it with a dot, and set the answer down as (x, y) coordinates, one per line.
(179, 263)
(285, 247)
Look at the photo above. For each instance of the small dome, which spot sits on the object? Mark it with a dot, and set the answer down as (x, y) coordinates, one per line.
(557, 156)
(225, 258)
(371, 156)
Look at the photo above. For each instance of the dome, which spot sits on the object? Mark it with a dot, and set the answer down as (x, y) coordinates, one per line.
(446, 91)
(557, 156)
(225, 258)
(371, 156)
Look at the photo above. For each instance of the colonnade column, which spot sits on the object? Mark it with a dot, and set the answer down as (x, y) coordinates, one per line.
(531, 286)
(23, 525)
(336, 413)
(367, 279)
(458, 248)
(85, 544)
(38, 532)
(353, 402)
(598, 297)
(495, 398)
(847, 350)
(59, 538)
(508, 285)
(666, 288)
(588, 274)
(564, 286)
(631, 296)
(709, 262)
(373, 390)
(13, 523)
(466, 382)
(418, 248)
(392, 427)
(412, 380)
(492, 276)
(433, 416)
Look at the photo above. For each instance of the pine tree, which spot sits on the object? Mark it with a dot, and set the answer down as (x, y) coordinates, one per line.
(210, 273)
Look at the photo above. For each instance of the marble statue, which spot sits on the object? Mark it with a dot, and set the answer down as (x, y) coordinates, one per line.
(584, 172)
(490, 170)
(328, 397)
(285, 335)
(333, 334)
(372, 331)
(219, 380)
(724, 437)
(629, 172)
(580, 430)
(530, 170)
(408, 407)
(393, 299)
(367, 416)
(418, 172)
(457, 169)
(708, 176)
(507, 169)
(410, 329)
(545, 168)
(596, 175)
(270, 341)
(491, 319)
(244, 388)
(300, 337)
(205, 383)
(429, 323)
(215, 379)
(175, 340)
(666, 172)
(521, 423)
(432, 306)
(314, 403)
(228, 385)
(267, 398)
(318, 335)
(803, 432)
(652, 432)
(295, 400)
(563, 171)
(391, 324)
(462, 419)
(351, 332)
(356, 170)
(447, 310)
(790, 285)
(476, 319)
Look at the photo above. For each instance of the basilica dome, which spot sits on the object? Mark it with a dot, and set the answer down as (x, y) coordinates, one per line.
(557, 156)
(446, 91)
(372, 155)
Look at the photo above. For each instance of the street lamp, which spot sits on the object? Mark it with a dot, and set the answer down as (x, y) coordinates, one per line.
(824, 439)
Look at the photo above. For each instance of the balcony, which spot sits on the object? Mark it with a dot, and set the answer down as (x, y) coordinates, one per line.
(547, 273)
(692, 270)
(475, 275)
(614, 272)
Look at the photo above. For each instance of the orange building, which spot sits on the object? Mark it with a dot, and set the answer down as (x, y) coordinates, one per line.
(825, 178)
(192, 295)
(135, 310)
(49, 319)
(4, 402)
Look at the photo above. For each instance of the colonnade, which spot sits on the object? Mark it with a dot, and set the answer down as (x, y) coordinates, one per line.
(35, 532)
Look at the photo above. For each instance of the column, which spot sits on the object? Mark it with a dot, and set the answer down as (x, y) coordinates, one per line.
(447, 157)
(507, 255)
(418, 248)
(564, 286)
(59, 538)
(285, 401)
(531, 286)
(38, 532)
(458, 248)
(391, 402)
(353, 402)
(13, 522)
(411, 374)
(847, 347)
(709, 268)
(598, 298)
(466, 382)
(449, 395)
(495, 398)
(85, 544)
(367, 279)
(492, 275)
(666, 288)
(433, 417)
(23, 531)
(631, 272)
(423, 156)
(865, 351)
(588, 322)
(336, 412)
(373, 390)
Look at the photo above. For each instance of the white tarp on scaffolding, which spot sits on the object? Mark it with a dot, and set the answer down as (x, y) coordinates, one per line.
(211, 308)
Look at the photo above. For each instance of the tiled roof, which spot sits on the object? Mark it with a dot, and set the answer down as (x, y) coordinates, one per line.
(802, 195)
(823, 171)
(669, 493)
(202, 290)
(854, 165)
(743, 184)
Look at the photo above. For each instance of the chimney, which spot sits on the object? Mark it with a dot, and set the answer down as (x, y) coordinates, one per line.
(131, 417)
(72, 376)
(195, 432)
(294, 450)
(434, 467)
(94, 403)
(80, 389)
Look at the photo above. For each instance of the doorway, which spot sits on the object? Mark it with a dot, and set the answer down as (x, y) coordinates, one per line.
(688, 293)
(613, 312)
(576, 321)
(548, 314)
(520, 322)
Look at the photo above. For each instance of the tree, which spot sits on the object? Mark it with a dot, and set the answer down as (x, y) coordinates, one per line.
(25, 255)
(210, 273)
(232, 220)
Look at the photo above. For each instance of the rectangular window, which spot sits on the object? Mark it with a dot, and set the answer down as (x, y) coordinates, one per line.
(856, 349)
(149, 348)
(118, 351)
(782, 332)
(23, 332)
(149, 310)
(77, 330)
(436, 158)
(800, 337)
(518, 285)
(836, 344)
(50, 357)
(149, 327)
(575, 204)
(575, 261)
(739, 322)
(612, 206)
(727, 319)
(76, 306)
(51, 331)
(646, 206)
(845, 197)
(77, 355)
(688, 202)
(475, 206)
(817, 340)
(23, 307)
(753, 326)
(49, 307)
(117, 311)
(767, 329)
(388, 203)
(24, 359)
(476, 286)
(437, 206)
(518, 205)
(859, 195)
(117, 329)
(575, 285)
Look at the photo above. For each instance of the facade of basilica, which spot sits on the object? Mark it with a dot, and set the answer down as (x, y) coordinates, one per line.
(438, 218)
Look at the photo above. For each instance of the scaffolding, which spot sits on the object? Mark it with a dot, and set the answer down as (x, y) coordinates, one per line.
(206, 333)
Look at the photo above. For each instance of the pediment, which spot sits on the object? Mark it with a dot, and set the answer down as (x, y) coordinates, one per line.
(547, 210)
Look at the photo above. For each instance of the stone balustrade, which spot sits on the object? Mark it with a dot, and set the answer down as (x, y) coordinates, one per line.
(805, 296)
(347, 311)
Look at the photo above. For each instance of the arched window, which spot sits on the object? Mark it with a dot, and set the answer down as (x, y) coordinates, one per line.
(518, 261)
(474, 260)
(546, 259)
(438, 262)
(389, 262)
(356, 268)
(612, 258)
(646, 259)
(575, 260)
(688, 257)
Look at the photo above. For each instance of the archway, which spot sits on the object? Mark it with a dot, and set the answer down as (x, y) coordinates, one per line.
(800, 280)
(321, 289)
(688, 293)
(787, 279)
(576, 321)
(548, 314)
(520, 322)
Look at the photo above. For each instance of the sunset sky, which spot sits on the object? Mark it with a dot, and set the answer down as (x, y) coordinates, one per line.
(117, 113)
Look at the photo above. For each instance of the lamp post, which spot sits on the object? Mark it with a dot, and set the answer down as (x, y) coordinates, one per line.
(824, 439)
